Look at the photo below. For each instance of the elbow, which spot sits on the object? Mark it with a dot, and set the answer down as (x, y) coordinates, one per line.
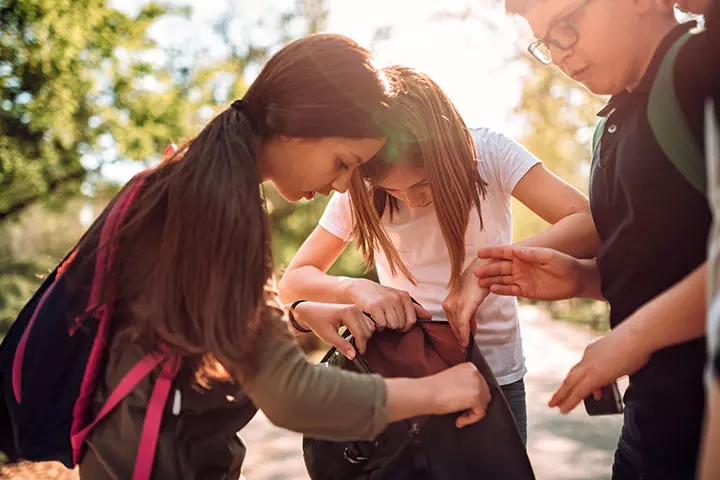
(286, 418)
(581, 208)
(285, 286)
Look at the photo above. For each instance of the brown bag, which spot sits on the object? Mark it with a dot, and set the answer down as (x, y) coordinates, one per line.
(429, 447)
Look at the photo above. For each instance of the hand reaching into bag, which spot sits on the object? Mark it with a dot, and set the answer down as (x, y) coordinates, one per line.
(458, 389)
(462, 304)
(389, 307)
(325, 319)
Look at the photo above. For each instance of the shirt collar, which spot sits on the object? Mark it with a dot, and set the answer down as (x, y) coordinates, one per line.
(649, 76)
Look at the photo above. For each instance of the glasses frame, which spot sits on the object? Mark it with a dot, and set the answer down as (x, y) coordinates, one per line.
(537, 47)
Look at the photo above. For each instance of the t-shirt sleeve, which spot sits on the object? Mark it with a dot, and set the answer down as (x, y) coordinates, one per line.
(501, 161)
(337, 218)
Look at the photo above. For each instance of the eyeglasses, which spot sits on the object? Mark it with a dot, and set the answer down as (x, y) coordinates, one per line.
(562, 34)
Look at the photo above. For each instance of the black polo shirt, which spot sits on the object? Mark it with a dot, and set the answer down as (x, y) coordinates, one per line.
(652, 223)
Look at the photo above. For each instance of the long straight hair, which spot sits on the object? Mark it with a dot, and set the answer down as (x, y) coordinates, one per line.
(424, 128)
(194, 269)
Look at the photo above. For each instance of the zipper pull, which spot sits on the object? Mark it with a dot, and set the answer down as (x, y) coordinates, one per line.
(420, 459)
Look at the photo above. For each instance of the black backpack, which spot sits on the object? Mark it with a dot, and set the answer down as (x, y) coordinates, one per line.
(54, 354)
(429, 447)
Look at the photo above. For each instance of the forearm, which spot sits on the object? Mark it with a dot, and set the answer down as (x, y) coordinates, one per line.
(408, 398)
(325, 403)
(310, 283)
(574, 235)
(675, 316)
(330, 403)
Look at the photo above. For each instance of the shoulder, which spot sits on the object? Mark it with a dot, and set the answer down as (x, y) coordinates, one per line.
(487, 139)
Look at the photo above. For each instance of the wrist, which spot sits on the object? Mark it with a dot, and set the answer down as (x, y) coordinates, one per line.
(587, 280)
(411, 397)
(296, 316)
(432, 395)
(346, 290)
(641, 333)
(581, 279)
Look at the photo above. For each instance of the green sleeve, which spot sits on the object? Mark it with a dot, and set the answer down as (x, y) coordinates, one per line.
(320, 401)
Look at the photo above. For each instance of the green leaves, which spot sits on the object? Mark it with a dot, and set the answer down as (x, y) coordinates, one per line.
(84, 85)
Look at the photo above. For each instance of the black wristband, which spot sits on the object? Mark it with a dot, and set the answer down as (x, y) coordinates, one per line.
(291, 316)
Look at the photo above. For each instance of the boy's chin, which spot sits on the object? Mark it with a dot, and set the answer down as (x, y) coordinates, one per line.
(602, 88)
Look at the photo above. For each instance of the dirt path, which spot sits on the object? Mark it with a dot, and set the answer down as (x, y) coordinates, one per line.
(571, 447)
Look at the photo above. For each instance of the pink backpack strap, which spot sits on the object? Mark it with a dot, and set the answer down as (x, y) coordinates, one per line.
(102, 262)
(153, 420)
(153, 416)
(141, 370)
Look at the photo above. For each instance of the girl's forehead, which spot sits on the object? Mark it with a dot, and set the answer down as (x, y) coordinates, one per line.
(402, 176)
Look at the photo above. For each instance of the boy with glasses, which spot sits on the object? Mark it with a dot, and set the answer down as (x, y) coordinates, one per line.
(651, 214)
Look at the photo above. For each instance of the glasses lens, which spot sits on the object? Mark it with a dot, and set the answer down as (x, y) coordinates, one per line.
(563, 35)
(541, 52)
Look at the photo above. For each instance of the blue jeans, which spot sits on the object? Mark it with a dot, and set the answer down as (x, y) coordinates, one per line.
(515, 396)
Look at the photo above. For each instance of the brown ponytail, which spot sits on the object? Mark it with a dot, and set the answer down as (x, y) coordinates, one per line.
(194, 268)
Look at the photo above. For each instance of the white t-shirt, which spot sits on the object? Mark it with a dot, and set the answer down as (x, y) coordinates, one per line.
(416, 234)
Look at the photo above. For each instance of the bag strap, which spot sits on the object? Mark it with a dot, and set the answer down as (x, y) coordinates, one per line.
(136, 374)
(153, 420)
(106, 251)
(597, 134)
(153, 416)
(669, 124)
(103, 261)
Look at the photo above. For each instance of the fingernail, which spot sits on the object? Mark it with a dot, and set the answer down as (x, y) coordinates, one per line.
(350, 354)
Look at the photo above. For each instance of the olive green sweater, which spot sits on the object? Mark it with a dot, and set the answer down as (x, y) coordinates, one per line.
(201, 442)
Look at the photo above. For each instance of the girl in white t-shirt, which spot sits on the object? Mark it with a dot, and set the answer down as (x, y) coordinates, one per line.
(435, 194)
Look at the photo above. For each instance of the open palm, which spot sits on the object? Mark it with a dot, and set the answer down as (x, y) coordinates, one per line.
(537, 273)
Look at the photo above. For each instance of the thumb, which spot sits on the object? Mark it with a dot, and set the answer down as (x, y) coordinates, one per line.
(421, 312)
(473, 325)
(464, 329)
(460, 328)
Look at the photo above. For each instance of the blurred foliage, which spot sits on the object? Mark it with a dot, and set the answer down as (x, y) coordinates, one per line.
(70, 72)
(293, 223)
(31, 247)
(559, 117)
(84, 86)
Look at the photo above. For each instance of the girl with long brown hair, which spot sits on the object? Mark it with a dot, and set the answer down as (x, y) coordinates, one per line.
(193, 278)
(420, 210)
